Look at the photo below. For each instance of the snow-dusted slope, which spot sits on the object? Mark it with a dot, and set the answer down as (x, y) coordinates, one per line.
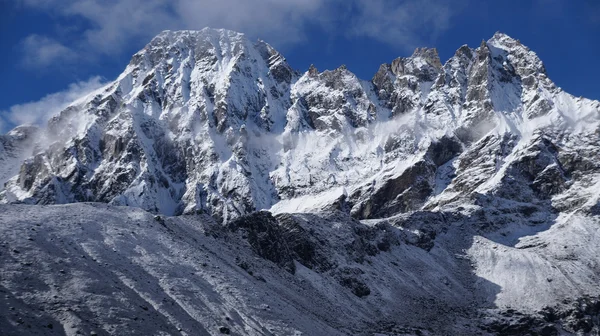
(94, 268)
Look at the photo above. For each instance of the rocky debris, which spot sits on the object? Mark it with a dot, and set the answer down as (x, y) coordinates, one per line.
(518, 324)
(224, 330)
(350, 278)
(265, 235)
(579, 317)
(413, 273)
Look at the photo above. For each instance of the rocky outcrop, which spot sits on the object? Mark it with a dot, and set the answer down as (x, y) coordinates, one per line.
(15, 147)
(404, 193)
(578, 316)
(287, 239)
(265, 236)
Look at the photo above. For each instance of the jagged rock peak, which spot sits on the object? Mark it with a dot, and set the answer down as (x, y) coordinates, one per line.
(423, 64)
(207, 44)
(313, 71)
(464, 50)
(195, 122)
(521, 55)
(430, 55)
(500, 36)
(171, 36)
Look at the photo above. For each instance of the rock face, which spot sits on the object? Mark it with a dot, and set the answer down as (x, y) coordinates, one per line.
(16, 146)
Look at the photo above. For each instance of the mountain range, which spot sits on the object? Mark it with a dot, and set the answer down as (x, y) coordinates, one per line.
(434, 199)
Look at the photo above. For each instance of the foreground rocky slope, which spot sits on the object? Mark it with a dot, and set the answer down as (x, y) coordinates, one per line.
(99, 269)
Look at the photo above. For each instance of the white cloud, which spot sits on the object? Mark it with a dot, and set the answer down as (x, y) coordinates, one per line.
(281, 21)
(405, 24)
(39, 112)
(115, 24)
(41, 51)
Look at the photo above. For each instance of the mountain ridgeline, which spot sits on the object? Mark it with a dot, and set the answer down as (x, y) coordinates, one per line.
(207, 121)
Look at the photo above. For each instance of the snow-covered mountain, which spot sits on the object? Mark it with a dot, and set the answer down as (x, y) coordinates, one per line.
(208, 121)
(479, 171)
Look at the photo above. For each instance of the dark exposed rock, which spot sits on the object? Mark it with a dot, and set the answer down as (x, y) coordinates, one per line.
(265, 236)
(581, 316)
(350, 278)
(312, 70)
(224, 330)
(443, 150)
(401, 194)
(304, 246)
(370, 241)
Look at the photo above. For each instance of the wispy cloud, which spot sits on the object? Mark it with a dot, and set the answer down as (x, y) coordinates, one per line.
(592, 9)
(404, 24)
(115, 24)
(41, 51)
(39, 112)
(281, 21)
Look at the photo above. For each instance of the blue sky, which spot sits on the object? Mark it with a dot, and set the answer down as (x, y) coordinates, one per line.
(55, 50)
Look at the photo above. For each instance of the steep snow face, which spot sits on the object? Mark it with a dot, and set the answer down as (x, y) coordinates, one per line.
(208, 121)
